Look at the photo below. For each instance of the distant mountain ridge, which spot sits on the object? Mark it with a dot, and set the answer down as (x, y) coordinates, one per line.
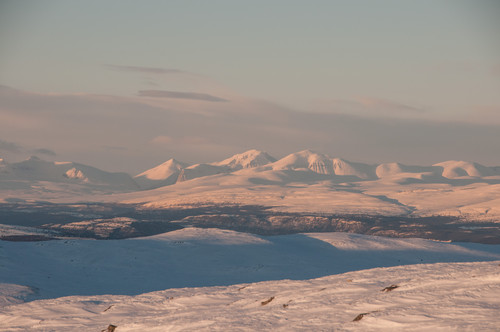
(172, 171)
(301, 182)
(34, 170)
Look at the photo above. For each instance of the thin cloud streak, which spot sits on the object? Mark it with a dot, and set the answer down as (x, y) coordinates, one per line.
(372, 107)
(146, 70)
(388, 105)
(46, 152)
(180, 95)
(79, 126)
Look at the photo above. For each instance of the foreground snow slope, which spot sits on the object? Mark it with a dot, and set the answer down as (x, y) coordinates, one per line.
(428, 297)
(208, 257)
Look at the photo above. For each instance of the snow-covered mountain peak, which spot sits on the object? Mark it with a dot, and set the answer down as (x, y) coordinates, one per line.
(347, 168)
(163, 171)
(306, 159)
(389, 169)
(455, 168)
(248, 159)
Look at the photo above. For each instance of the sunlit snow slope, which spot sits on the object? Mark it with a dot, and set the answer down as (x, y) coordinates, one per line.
(427, 297)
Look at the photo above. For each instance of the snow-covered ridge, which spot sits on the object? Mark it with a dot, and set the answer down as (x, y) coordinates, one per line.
(172, 171)
(304, 181)
(309, 181)
(34, 169)
(248, 159)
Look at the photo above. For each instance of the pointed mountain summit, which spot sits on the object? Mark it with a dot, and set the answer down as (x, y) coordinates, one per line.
(173, 171)
(163, 171)
(161, 175)
(248, 159)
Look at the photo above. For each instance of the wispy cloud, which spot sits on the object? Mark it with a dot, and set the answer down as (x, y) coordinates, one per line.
(371, 107)
(388, 105)
(11, 147)
(79, 126)
(44, 151)
(180, 95)
(145, 70)
(7, 146)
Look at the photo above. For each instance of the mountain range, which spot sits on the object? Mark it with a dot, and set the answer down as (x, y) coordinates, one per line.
(173, 171)
(304, 181)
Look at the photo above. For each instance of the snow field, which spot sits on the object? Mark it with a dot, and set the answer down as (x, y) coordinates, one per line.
(428, 297)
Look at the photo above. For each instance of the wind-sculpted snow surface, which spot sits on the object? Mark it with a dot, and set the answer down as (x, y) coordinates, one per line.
(427, 297)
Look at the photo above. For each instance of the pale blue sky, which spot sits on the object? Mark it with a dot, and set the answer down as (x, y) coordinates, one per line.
(429, 60)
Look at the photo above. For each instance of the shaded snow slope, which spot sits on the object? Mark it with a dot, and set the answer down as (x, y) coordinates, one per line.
(194, 257)
(427, 297)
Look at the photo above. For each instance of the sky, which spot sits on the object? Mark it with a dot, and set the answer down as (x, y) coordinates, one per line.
(126, 85)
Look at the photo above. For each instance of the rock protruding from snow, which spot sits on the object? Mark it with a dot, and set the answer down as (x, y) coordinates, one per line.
(76, 174)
